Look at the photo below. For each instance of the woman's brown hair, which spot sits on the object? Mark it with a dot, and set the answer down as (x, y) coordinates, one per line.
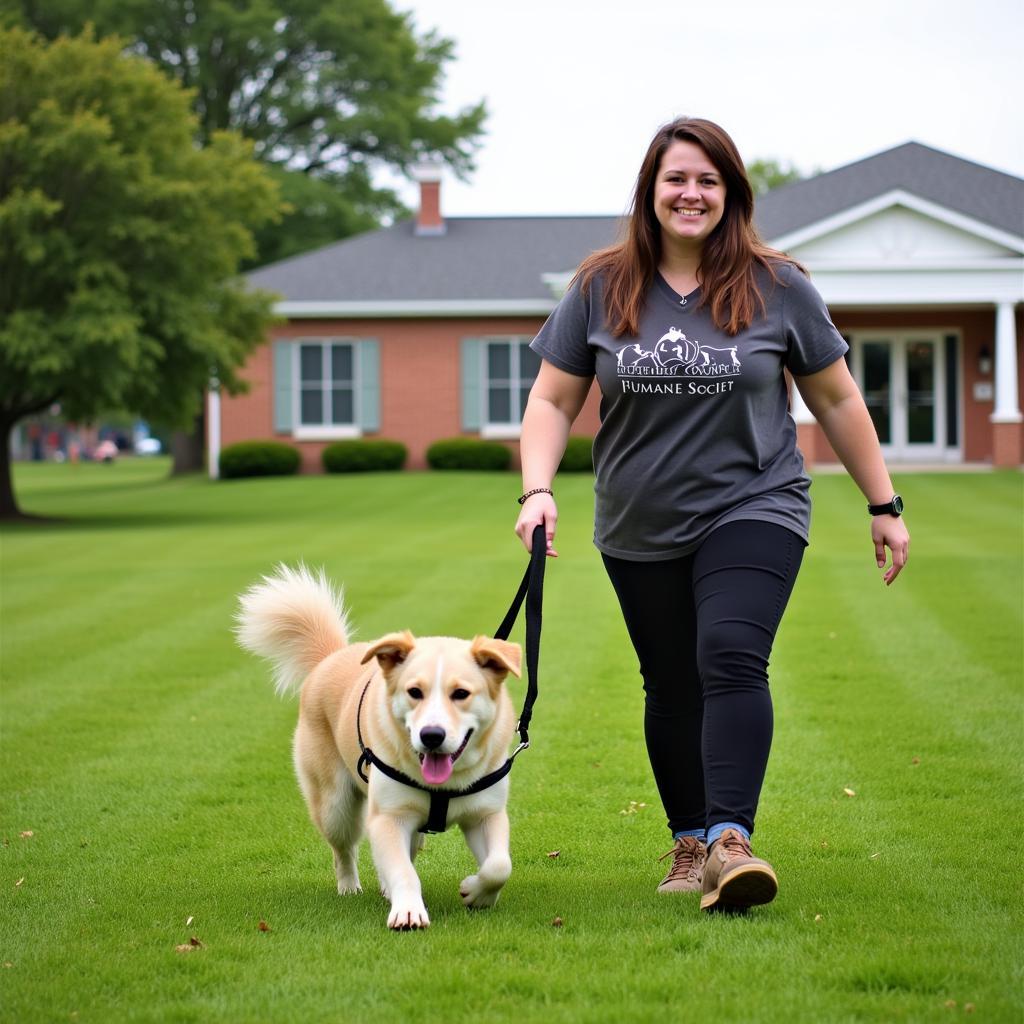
(731, 253)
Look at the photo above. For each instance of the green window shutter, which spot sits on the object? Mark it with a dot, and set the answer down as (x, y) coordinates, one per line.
(471, 373)
(369, 385)
(283, 421)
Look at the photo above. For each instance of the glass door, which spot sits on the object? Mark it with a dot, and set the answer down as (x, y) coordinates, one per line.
(902, 380)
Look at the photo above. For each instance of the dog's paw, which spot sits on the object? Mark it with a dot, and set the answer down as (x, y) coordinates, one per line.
(408, 917)
(348, 887)
(476, 895)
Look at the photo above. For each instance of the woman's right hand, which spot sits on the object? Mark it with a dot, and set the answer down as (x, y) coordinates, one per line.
(538, 509)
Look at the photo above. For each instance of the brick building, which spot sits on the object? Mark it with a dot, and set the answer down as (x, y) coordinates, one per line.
(420, 331)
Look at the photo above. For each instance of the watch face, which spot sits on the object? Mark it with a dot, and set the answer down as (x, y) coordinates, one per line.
(897, 504)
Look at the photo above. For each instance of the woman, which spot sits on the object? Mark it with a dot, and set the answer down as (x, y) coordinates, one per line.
(702, 503)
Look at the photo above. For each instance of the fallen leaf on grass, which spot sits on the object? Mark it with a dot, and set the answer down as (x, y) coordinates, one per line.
(7, 963)
(557, 923)
(264, 927)
(950, 1004)
(17, 884)
(875, 855)
(633, 808)
(849, 792)
(817, 917)
(27, 835)
(189, 921)
(187, 947)
(915, 760)
(554, 853)
(968, 1007)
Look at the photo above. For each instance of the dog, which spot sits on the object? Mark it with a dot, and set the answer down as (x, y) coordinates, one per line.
(435, 709)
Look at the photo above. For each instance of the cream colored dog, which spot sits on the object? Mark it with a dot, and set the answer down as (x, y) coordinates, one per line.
(434, 708)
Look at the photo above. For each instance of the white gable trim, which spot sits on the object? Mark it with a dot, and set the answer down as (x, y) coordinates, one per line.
(898, 197)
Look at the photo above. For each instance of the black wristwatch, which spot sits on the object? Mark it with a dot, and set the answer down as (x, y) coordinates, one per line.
(890, 508)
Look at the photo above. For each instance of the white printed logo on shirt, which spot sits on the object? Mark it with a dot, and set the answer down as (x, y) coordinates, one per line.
(675, 355)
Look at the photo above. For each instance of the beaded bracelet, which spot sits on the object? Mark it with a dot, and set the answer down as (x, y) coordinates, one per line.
(536, 490)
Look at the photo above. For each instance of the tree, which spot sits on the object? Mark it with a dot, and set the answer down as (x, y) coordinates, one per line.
(327, 90)
(120, 239)
(331, 89)
(765, 175)
(321, 210)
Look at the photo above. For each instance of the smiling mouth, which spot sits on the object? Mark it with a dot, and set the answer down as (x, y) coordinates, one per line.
(690, 213)
(436, 768)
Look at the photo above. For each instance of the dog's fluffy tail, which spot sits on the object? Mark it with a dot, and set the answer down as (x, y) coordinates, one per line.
(295, 619)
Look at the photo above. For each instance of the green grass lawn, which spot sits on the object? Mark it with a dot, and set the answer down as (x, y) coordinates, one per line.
(148, 793)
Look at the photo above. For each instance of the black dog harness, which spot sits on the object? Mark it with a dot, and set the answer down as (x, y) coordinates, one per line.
(532, 589)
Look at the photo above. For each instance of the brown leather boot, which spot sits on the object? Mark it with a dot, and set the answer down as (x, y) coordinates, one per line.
(684, 874)
(734, 878)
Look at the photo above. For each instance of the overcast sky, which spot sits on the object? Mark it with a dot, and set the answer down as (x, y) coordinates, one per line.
(576, 88)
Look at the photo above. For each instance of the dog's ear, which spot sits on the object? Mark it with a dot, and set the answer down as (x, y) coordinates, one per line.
(391, 650)
(497, 656)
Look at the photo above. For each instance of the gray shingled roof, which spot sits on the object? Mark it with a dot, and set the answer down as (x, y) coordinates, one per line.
(989, 196)
(502, 258)
(476, 258)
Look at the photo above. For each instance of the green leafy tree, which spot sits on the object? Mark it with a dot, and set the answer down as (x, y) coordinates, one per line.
(120, 239)
(765, 175)
(327, 89)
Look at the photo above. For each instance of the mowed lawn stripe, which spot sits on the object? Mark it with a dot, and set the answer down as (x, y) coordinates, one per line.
(188, 805)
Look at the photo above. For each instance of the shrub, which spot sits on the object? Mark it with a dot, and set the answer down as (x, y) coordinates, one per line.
(578, 457)
(468, 453)
(258, 458)
(364, 455)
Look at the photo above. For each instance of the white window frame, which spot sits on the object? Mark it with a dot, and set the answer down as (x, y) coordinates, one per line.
(511, 429)
(324, 431)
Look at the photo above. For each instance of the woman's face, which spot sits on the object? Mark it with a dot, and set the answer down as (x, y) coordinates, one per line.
(689, 197)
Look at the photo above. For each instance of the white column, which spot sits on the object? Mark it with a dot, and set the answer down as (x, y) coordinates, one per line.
(1007, 407)
(213, 429)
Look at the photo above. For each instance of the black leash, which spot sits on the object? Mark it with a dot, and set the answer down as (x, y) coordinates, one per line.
(532, 590)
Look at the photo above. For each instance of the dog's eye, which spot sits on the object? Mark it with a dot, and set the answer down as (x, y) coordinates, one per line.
(460, 694)
(416, 693)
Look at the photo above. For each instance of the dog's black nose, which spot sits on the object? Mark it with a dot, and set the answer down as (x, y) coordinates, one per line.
(432, 737)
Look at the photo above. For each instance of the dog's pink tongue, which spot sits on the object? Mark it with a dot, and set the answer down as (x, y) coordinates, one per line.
(436, 768)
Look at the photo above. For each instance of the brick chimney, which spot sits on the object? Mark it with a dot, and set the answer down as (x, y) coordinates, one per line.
(429, 220)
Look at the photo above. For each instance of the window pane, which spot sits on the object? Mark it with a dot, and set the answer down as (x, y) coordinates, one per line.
(312, 406)
(877, 389)
(524, 397)
(343, 406)
(341, 364)
(529, 364)
(921, 392)
(311, 362)
(499, 361)
(499, 405)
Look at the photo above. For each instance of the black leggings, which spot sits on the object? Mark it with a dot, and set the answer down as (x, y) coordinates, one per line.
(702, 627)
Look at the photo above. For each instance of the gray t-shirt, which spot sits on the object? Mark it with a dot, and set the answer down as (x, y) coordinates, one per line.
(695, 430)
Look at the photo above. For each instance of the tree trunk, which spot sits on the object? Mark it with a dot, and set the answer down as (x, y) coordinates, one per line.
(8, 505)
(189, 449)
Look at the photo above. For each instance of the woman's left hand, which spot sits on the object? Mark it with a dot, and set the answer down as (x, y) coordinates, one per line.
(890, 532)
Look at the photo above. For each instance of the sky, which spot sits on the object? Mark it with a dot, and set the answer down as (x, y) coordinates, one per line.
(577, 88)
